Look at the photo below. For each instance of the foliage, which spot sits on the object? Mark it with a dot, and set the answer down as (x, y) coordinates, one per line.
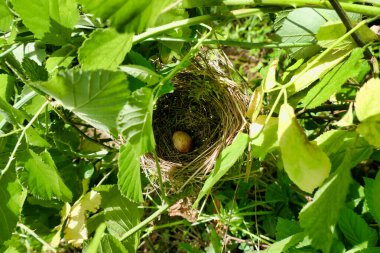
(80, 83)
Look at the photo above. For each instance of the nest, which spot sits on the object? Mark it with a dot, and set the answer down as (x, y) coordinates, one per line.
(209, 106)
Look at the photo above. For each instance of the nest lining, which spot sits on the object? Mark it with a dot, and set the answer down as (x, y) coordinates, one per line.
(207, 105)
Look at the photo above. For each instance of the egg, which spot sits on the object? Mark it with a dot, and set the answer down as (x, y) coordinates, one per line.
(182, 142)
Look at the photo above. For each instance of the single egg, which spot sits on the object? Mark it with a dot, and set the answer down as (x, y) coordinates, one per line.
(182, 142)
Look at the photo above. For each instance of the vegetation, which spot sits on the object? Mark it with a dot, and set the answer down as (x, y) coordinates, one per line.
(275, 106)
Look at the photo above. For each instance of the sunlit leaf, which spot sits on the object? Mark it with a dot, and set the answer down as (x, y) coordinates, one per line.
(370, 130)
(104, 49)
(304, 162)
(135, 121)
(129, 180)
(12, 197)
(38, 173)
(372, 189)
(6, 87)
(76, 230)
(110, 244)
(142, 73)
(224, 162)
(50, 20)
(6, 17)
(284, 244)
(60, 58)
(95, 96)
(367, 102)
(347, 119)
(264, 137)
(95, 242)
(255, 104)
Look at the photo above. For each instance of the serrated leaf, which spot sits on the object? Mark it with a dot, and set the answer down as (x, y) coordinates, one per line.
(355, 229)
(50, 20)
(38, 173)
(12, 197)
(34, 139)
(60, 58)
(76, 230)
(226, 159)
(368, 100)
(129, 179)
(126, 16)
(318, 216)
(286, 228)
(110, 244)
(135, 121)
(33, 71)
(6, 17)
(304, 162)
(120, 215)
(371, 190)
(95, 96)
(333, 80)
(10, 114)
(142, 73)
(104, 49)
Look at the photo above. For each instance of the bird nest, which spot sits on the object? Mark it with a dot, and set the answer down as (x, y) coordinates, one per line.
(206, 104)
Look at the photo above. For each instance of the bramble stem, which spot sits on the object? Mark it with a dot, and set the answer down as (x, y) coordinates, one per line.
(38, 238)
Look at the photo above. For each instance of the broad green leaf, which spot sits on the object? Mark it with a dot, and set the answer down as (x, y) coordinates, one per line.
(304, 162)
(95, 242)
(331, 31)
(104, 49)
(38, 174)
(284, 244)
(10, 114)
(372, 189)
(355, 229)
(135, 121)
(12, 197)
(370, 130)
(76, 230)
(223, 163)
(50, 20)
(110, 244)
(266, 140)
(335, 142)
(286, 228)
(95, 96)
(6, 87)
(34, 139)
(318, 216)
(60, 58)
(33, 71)
(127, 16)
(142, 73)
(368, 100)
(6, 17)
(316, 70)
(120, 215)
(129, 181)
(333, 80)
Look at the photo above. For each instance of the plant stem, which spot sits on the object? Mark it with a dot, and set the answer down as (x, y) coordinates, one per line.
(363, 9)
(18, 143)
(246, 45)
(38, 238)
(197, 20)
(160, 182)
(145, 222)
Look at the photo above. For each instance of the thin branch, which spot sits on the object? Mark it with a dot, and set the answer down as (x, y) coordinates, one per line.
(38, 238)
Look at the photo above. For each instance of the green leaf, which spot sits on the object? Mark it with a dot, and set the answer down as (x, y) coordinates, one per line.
(12, 198)
(96, 241)
(318, 216)
(371, 190)
(110, 244)
(370, 130)
(142, 73)
(129, 181)
(316, 70)
(333, 80)
(267, 139)
(120, 215)
(355, 229)
(96, 96)
(38, 173)
(10, 114)
(6, 17)
(104, 49)
(224, 162)
(135, 121)
(50, 20)
(60, 58)
(127, 16)
(368, 100)
(304, 162)
(286, 228)
(328, 33)
(6, 87)
(284, 244)
(34, 139)
(33, 71)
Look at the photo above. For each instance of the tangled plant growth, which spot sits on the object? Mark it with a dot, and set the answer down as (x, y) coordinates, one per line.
(91, 93)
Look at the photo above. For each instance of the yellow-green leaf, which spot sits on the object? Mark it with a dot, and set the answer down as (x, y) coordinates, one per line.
(305, 163)
(367, 102)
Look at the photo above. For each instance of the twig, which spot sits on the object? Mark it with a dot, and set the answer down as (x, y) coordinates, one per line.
(37, 237)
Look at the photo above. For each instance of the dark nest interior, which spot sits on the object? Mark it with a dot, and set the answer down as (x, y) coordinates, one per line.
(207, 105)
